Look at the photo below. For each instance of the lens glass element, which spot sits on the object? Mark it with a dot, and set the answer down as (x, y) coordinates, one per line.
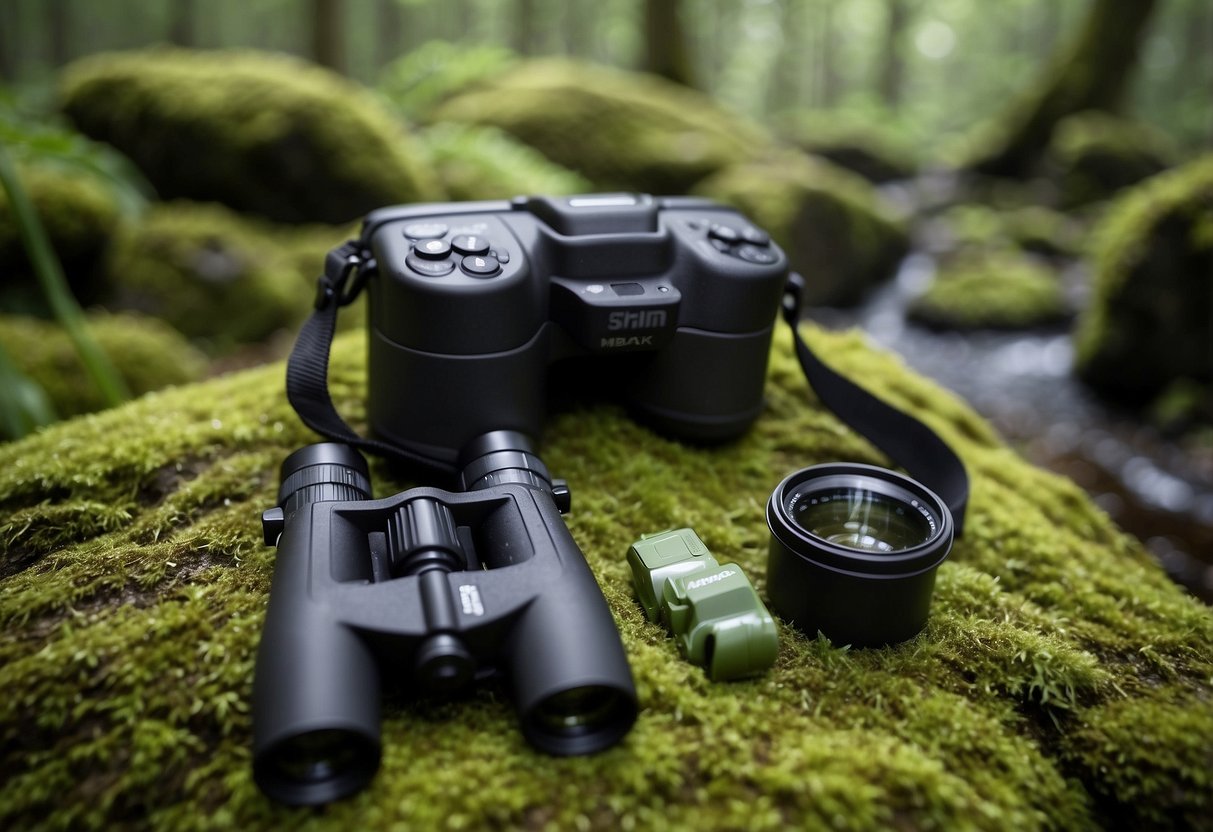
(581, 710)
(318, 756)
(860, 518)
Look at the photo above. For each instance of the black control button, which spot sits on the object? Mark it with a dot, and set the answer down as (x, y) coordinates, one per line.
(501, 254)
(478, 266)
(754, 254)
(470, 244)
(425, 230)
(724, 233)
(756, 237)
(429, 268)
(432, 249)
(625, 289)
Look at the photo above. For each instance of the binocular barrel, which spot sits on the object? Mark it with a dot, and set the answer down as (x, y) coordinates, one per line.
(316, 689)
(316, 686)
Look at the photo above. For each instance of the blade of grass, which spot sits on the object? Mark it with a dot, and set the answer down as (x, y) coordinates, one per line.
(24, 405)
(54, 286)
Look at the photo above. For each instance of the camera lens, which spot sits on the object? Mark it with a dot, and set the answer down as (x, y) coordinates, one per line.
(857, 517)
(318, 766)
(854, 549)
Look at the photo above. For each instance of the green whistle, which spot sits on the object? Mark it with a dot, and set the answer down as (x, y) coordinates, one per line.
(711, 609)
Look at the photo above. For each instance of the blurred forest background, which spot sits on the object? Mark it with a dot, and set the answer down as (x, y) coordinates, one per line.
(1015, 196)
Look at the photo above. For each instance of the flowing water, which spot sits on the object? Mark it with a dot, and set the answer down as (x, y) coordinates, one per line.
(1155, 487)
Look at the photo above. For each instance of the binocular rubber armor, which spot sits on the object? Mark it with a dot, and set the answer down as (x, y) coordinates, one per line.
(429, 590)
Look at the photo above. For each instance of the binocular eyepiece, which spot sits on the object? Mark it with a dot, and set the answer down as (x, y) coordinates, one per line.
(429, 590)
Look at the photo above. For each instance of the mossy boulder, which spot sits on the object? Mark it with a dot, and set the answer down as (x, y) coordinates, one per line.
(419, 81)
(1093, 155)
(1062, 681)
(620, 130)
(487, 163)
(863, 146)
(998, 289)
(262, 133)
(80, 217)
(1033, 228)
(829, 221)
(215, 276)
(148, 354)
(1149, 323)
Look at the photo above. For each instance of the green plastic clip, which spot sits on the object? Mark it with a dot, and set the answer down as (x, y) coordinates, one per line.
(711, 609)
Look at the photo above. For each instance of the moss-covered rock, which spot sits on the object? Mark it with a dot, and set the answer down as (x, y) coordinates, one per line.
(261, 133)
(1093, 155)
(487, 163)
(620, 130)
(999, 289)
(80, 217)
(1149, 323)
(418, 82)
(1033, 228)
(1062, 681)
(148, 354)
(215, 276)
(829, 221)
(865, 147)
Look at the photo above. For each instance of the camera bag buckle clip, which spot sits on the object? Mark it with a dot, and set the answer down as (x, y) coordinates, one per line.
(340, 264)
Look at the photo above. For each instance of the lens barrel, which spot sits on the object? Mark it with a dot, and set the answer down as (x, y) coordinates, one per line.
(854, 549)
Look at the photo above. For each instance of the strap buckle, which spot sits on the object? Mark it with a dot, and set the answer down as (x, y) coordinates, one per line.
(341, 264)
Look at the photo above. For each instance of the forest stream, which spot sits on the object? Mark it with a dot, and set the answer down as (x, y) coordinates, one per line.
(1153, 486)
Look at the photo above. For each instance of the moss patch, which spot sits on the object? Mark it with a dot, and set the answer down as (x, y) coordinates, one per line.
(1093, 155)
(620, 130)
(993, 289)
(212, 274)
(1149, 322)
(259, 132)
(134, 584)
(79, 214)
(864, 146)
(828, 220)
(486, 163)
(418, 82)
(147, 353)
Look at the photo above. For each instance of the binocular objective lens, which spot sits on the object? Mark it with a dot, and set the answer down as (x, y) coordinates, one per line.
(318, 756)
(582, 710)
(861, 519)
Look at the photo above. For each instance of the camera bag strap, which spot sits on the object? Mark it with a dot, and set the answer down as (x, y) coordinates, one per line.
(907, 441)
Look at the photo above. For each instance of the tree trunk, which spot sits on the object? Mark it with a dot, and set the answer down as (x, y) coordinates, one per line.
(328, 34)
(665, 42)
(523, 35)
(892, 66)
(1092, 72)
(57, 16)
(181, 23)
(389, 26)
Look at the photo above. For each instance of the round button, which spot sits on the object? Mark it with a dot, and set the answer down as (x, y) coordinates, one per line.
(470, 244)
(478, 266)
(429, 268)
(755, 236)
(433, 249)
(501, 254)
(724, 233)
(424, 230)
(754, 254)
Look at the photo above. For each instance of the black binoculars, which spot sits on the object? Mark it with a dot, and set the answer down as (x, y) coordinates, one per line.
(427, 590)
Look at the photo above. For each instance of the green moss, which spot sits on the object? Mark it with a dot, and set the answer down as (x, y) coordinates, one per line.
(1033, 228)
(992, 289)
(828, 220)
(134, 580)
(865, 146)
(148, 354)
(418, 82)
(1093, 155)
(213, 275)
(1148, 323)
(618, 129)
(487, 163)
(79, 215)
(261, 133)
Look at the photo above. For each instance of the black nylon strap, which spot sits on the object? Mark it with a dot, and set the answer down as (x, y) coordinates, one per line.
(307, 368)
(907, 441)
